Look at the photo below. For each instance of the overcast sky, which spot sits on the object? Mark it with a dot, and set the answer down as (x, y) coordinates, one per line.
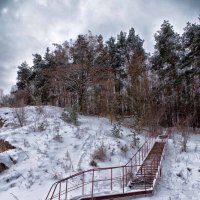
(29, 26)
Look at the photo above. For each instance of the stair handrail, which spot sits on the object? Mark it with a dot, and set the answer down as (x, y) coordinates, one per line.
(149, 142)
(142, 152)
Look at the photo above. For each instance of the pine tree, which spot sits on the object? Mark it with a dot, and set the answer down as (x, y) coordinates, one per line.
(23, 76)
(166, 55)
(38, 79)
(165, 65)
(49, 59)
(190, 72)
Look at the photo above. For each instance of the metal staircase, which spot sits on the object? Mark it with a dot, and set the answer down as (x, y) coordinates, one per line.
(137, 177)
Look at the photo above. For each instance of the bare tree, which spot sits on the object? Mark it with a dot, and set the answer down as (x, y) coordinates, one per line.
(20, 115)
(183, 127)
(1, 96)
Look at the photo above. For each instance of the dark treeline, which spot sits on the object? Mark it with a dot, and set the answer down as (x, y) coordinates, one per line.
(116, 78)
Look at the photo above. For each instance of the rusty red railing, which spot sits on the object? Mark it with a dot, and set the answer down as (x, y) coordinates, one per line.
(106, 180)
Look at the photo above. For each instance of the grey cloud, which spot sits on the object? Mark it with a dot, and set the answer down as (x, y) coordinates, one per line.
(7, 77)
(195, 4)
(30, 26)
(4, 3)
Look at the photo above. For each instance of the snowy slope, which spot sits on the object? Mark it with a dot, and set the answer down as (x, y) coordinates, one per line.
(180, 178)
(44, 157)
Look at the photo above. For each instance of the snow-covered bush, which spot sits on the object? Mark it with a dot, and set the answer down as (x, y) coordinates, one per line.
(20, 116)
(196, 148)
(124, 149)
(56, 175)
(71, 116)
(100, 153)
(183, 128)
(135, 140)
(40, 120)
(79, 133)
(2, 121)
(93, 163)
(116, 130)
(136, 129)
(68, 164)
(58, 138)
(65, 117)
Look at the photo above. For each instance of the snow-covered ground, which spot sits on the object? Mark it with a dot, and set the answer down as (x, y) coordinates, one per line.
(44, 157)
(62, 149)
(180, 178)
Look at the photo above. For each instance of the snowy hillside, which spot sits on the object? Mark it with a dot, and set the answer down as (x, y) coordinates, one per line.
(180, 178)
(42, 157)
(48, 149)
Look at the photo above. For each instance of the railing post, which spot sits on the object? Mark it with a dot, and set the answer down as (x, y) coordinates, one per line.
(126, 175)
(145, 150)
(151, 144)
(66, 188)
(145, 180)
(131, 168)
(83, 183)
(123, 179)
(142, 153)
(139, 157)
(92, 183)
(54, 191)
(160, 171)
(59, 191)
(136, 159)
(111, 176)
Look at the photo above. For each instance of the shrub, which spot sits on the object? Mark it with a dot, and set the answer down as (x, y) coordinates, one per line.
(58, 138)
(80, 132)
(3, 167)
(72, 116)
(136, 129)
(2, 122)
(116, 130)
(43, 126)
(182, 126)
(20, 116)
(124, 149)
(65, 117)
(40, 120)
(100, 153)
(93, 163)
